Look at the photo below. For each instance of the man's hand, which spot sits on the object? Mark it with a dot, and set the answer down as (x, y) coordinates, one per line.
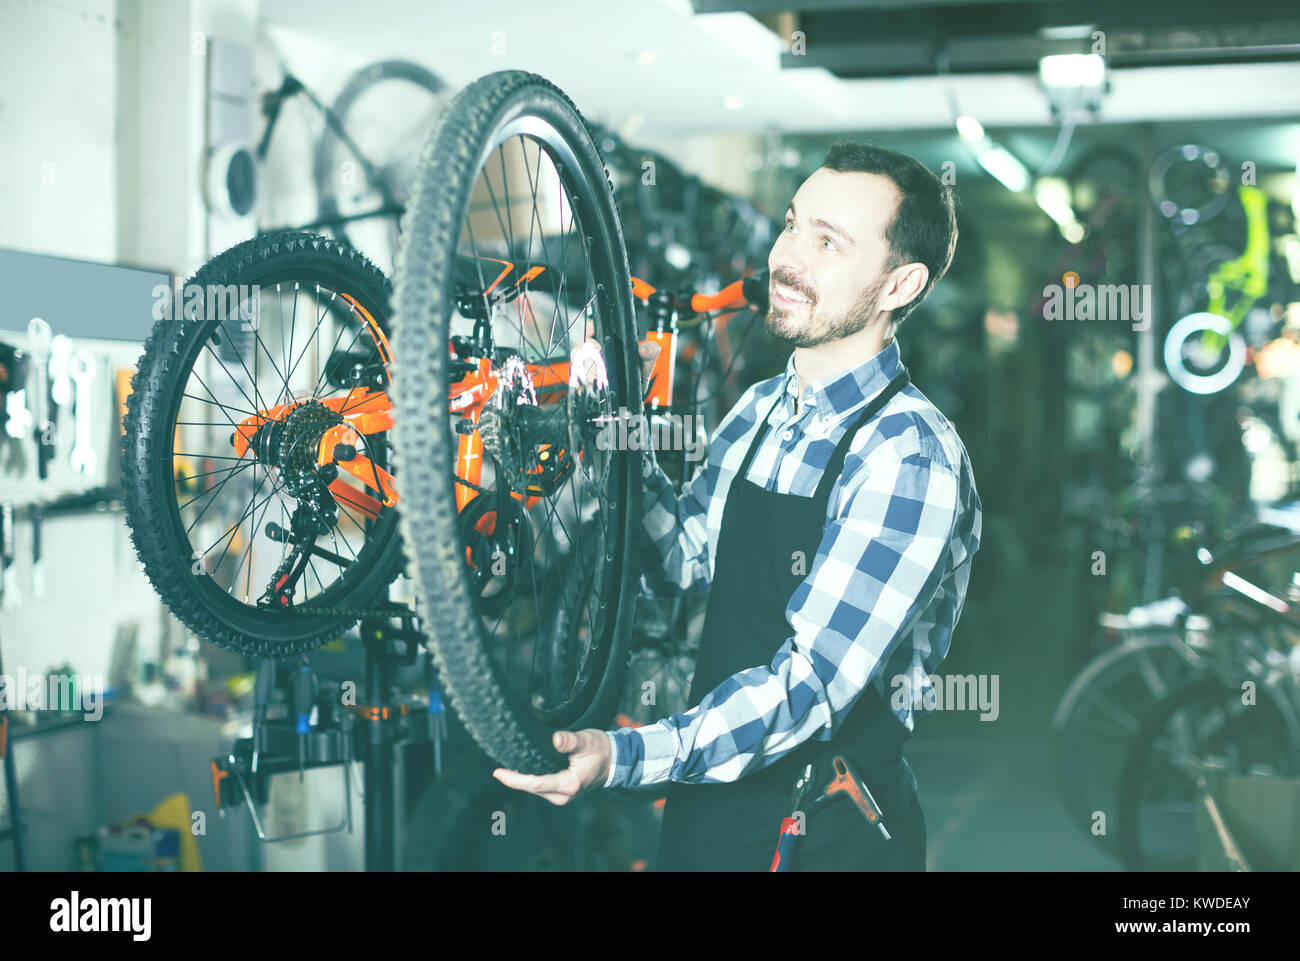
(647, 350)
(589, 761)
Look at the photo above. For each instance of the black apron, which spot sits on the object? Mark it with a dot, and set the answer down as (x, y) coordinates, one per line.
(735, 826)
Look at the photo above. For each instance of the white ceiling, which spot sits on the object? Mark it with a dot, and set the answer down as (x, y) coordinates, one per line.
(590, 49)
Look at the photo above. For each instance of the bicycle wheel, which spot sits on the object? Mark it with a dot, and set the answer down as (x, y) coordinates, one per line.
(256, 460)
(1202, 726)
(1097, 719)
(540, 643)
(1190, 185)
(386, 109)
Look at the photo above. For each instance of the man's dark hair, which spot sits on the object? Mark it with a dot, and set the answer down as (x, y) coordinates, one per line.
(924, 228)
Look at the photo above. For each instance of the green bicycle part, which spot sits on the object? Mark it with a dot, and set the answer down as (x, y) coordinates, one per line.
(1246, 275)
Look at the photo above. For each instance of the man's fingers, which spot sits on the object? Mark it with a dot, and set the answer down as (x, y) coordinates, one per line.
(535, 784)
(567, 742)
(648, 351)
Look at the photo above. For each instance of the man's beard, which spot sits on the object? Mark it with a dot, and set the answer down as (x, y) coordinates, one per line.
(821, 331)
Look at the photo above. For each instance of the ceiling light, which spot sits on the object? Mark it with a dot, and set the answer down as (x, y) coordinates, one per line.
(733, 101)
(1073, 82)
(1000, 164)
(1067, 70)
(647, 57)
(1052, 194)
(970, 129)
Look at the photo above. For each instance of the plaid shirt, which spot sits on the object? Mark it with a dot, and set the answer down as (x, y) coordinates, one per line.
(880, 600)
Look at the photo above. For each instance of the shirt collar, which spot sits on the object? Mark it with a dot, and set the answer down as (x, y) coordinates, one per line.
(850, 389)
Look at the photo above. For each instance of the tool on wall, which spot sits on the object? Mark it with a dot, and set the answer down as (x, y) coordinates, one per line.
(60, 377)
(83, 457)
(13, 391)
(12, 599)
(38, 350)
(38, 565)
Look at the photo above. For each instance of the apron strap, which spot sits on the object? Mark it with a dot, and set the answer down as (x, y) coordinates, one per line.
(758, 435)
(835, 466)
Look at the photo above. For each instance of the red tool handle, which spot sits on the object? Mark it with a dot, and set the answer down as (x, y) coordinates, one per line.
(785, 845)
(846, 780)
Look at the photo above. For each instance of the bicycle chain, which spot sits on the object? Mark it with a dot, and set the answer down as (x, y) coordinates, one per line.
(403, 612)
(472, 486)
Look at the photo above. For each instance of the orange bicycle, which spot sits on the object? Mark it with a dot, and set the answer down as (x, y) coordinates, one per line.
(288, 451)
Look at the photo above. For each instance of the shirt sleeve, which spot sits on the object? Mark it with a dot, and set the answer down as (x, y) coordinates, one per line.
(673, 541)
(878, 565)
(673, 546)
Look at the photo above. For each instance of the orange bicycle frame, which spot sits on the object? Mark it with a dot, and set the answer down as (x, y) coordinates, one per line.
(370, 412)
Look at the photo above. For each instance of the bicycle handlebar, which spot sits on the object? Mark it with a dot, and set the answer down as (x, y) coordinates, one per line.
(748, 291)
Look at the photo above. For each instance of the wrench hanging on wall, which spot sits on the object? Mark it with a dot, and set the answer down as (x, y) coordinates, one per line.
(38, 349)
(83, 377)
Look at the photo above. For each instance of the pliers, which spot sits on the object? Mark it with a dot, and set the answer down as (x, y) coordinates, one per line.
(845, 781)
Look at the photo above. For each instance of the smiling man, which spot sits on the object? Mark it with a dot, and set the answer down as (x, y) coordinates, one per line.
(833, 525)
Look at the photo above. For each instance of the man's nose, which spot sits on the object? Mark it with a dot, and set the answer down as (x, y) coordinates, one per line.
(787, 258)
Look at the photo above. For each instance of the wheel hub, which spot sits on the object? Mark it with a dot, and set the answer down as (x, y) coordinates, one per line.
(292, 446)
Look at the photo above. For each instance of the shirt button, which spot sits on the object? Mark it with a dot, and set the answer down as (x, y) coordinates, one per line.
(789, 433)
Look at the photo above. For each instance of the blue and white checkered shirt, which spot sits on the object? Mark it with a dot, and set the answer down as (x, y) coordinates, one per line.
(880, 600)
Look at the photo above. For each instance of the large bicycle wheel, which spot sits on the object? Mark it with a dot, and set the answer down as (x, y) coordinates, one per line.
(256, 462)
(512, 255)
(1203, 726)
(1099, 715)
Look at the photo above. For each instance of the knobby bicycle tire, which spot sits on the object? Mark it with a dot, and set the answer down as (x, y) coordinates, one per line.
(501, 722)
(152, 514)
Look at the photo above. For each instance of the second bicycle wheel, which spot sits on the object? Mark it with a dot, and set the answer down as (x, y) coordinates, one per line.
(255, 457)
(1202, 727)
(383, 111)
(1098, 716)
(518, 521)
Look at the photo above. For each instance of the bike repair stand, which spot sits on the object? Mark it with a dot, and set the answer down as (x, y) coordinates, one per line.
(388, 647)
(392, 640)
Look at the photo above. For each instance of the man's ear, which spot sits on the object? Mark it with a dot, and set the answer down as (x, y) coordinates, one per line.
(908, 281)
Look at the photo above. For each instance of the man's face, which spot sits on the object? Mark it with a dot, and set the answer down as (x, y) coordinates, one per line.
(827, 265)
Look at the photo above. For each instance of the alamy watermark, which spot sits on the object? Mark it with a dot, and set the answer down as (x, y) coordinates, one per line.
(950, 692)
(668, 431)
(240, 302)
(1072, 300)
(75, 914)
(53, 692)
